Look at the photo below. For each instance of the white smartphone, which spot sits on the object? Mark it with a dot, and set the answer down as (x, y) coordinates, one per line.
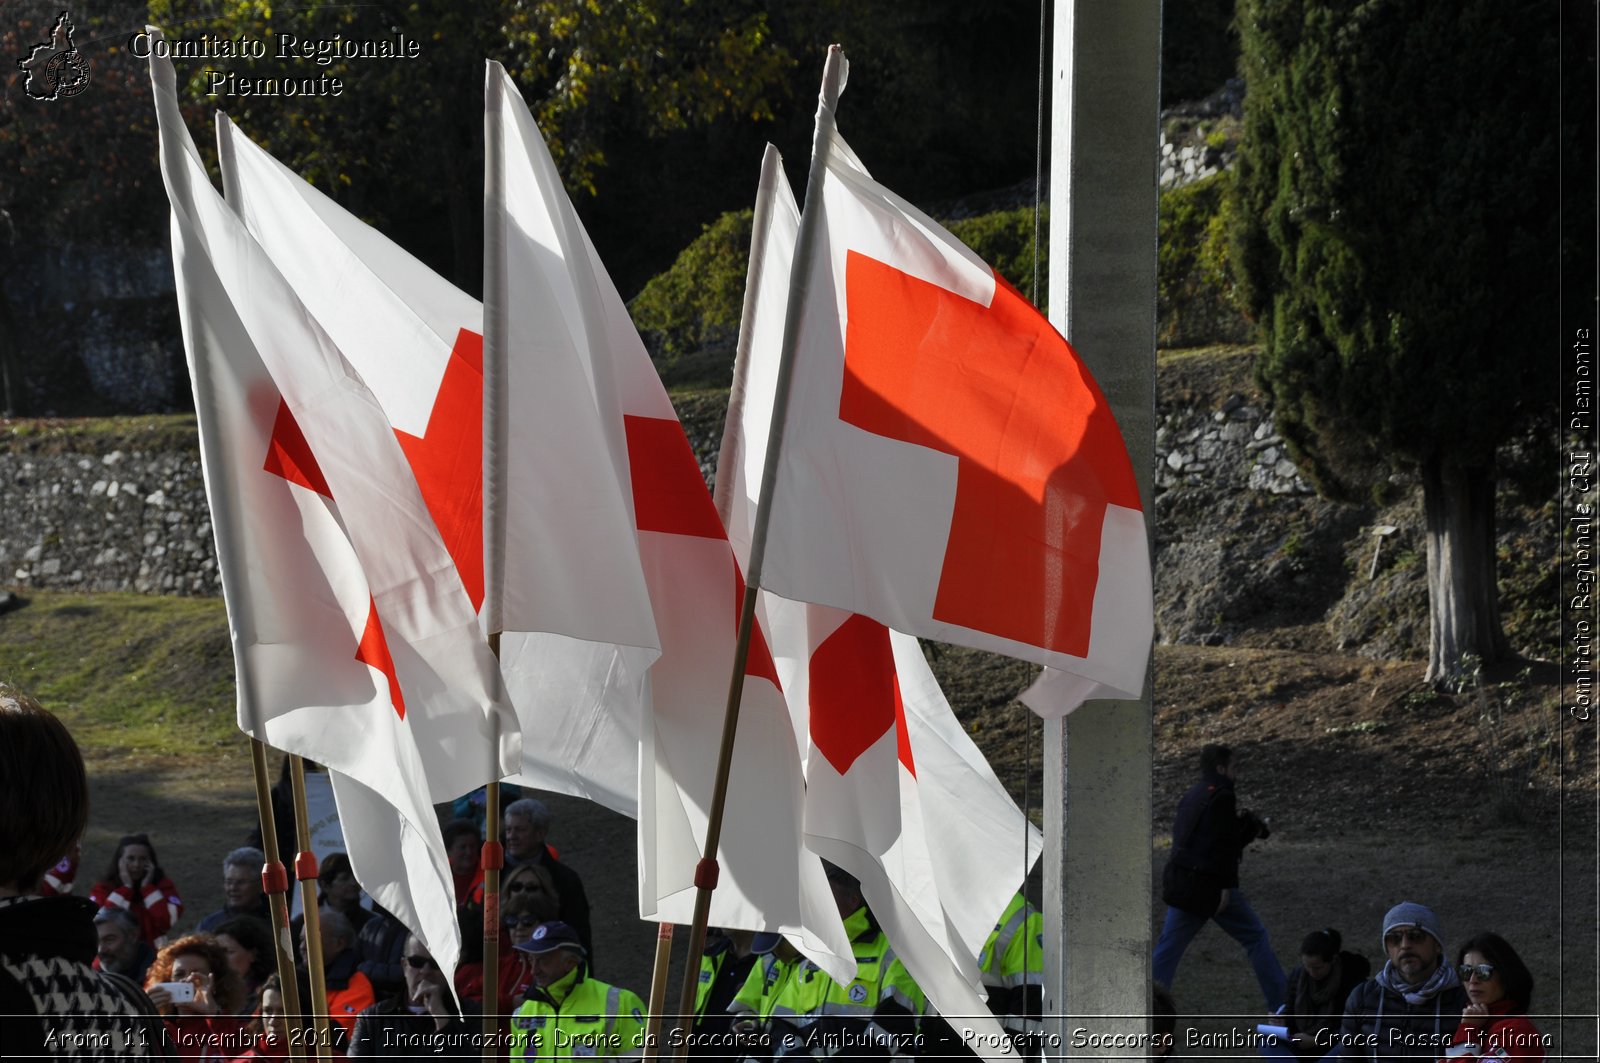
(178, 992)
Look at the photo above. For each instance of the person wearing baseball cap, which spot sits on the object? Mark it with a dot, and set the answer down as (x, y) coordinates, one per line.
(566, 1013)
(1410, 1009)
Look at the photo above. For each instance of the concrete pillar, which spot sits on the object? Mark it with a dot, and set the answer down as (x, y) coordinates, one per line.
(1103, 197)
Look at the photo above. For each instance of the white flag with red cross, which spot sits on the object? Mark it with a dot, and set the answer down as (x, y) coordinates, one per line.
(354, 641)
(897, 794)
(949, 466)
(573, 608)
(768, 880)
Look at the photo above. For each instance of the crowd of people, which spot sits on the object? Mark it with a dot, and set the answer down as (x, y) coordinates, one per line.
(1419, 1004)
(112, 967)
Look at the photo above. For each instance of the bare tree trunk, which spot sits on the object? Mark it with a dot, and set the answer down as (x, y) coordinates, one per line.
(1463, 598)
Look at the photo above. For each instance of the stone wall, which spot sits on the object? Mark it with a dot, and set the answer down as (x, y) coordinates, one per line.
(1233, 447)
(136, 520)
(120, 521)
(1242, 541)
(1201, 138)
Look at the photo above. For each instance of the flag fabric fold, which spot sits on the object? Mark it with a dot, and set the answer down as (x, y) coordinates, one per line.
(768, 880)
(896, 792)
(577, 632)
(354, 643)
(950, 468)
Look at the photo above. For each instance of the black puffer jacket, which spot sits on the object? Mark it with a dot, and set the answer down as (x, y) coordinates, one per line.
(1380, 1024)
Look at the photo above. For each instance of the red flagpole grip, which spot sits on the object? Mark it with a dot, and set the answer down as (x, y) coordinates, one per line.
(305, 866)
(274, 878)
(705, 875)
(493, 855)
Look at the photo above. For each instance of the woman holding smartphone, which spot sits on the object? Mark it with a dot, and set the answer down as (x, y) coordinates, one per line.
(200, 997)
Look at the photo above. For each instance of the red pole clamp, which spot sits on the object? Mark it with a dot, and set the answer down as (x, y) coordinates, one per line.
(493, 855)
(274, 878)
(305, 866)
(705, 875)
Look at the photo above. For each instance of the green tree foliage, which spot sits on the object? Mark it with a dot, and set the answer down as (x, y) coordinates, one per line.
(78, 167)
(1397, 242)
(941, 102)
(694, 307)
(403, 141)
(78, 170)
(1195, 300)
(689, 314)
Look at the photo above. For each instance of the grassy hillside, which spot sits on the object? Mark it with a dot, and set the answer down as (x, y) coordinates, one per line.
(128, 673)
(98, 435)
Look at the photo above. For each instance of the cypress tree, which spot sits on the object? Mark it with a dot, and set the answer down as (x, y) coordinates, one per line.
(1397, 241)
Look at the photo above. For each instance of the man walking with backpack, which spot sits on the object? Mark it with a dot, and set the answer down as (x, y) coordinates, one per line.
(1201, 879)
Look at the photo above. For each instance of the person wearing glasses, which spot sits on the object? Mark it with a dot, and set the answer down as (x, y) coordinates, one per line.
(422, 1022)
(520, 916)
(526, 826)
(1410, 1008)
(1495, 1024)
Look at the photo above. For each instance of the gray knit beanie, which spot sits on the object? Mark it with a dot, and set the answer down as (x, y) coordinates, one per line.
(1408, 913)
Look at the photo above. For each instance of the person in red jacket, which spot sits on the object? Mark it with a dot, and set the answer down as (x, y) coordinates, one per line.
(1494, 1024)
(135, 883)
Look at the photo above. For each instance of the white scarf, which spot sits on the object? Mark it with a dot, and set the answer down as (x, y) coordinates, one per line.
(1443, 977)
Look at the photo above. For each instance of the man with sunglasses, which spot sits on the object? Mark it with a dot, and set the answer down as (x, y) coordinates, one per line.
(421, 1022)
(1410, 1009)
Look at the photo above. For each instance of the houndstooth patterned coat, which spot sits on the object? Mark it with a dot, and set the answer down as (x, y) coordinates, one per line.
(53, 1004)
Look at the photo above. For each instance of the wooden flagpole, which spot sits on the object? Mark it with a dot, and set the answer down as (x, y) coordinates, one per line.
(274, 876)
(658, 992)
(705, 878)
(493, 861)
(771, 171)
(305, 869)
(494, 525)
(275, 883)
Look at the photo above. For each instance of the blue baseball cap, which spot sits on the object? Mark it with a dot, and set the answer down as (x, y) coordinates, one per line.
(547, 937)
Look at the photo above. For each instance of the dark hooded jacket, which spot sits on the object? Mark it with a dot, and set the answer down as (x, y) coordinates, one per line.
(1381, 1024)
